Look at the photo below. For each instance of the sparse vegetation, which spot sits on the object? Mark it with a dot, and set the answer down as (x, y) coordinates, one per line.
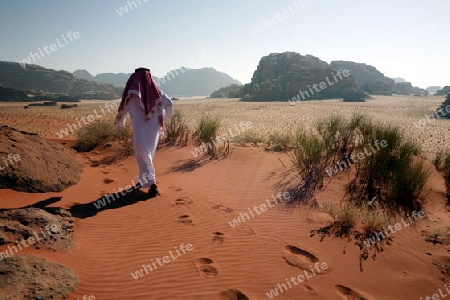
(393, 174)
(279, 141)
(206, 135)
(94, 134)
(442, 163)
(251, 137)
(177, 130)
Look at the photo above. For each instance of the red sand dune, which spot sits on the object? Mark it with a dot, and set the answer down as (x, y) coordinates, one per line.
(196, 207)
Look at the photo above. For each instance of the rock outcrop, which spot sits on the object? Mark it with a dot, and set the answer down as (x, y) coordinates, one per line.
(42, 228)
(444, 91)
(368, 78)
(444, 110)
(231, 91)
(13, 95)
(27, 277)
(406, 88)
(293, 77)
(37, 78)
(31, 164)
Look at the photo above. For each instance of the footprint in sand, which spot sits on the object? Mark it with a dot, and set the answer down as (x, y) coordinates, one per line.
(183, 201)
(233, 294)
(185, 219)
(223, 208)
(302, 253)
(348, 294)
(206, 267)
(175, 188)
(309, 289)
(303, 260)
(247, 230)
(218, 237)
(108, 181)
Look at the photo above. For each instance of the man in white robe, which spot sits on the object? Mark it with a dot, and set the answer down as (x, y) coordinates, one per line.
(148, 107)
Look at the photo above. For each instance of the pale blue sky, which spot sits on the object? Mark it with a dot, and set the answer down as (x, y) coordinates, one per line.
(405, 38)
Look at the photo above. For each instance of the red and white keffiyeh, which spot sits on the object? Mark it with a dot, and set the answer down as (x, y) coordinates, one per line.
(141, 83)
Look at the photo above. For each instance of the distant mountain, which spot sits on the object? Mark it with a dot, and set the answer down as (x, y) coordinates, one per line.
(180, 82)
(47, 81)
(399, 79)
(194, 82)
(292, 77)
(83, 74)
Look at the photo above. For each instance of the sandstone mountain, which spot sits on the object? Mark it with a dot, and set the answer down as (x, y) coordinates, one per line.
(444, 91)
(373, 82)
(368, 78)
(406, 88)
(283, 76)
(194, 82)
(12, 95)
(116, 79)
(37, 78)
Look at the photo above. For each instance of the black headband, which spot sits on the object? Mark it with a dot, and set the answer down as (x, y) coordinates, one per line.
(142, 69)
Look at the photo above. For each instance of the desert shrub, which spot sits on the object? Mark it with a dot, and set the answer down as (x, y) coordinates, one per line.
(250, 137)
(92, 135)
(279, 141)
(442, 163)
(392, 174)
(389, 171)
(206, 134)
(177, 130)
(333, 141)
(345, 216)
(307, 159)
(373, 218)
(446, 171)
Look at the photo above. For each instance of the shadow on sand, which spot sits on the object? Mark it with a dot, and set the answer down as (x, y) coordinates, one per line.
(89, 210)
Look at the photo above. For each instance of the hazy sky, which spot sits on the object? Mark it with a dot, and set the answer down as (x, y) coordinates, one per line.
(401, 38)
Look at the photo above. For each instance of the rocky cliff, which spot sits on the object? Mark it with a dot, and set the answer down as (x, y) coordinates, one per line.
(293, 77)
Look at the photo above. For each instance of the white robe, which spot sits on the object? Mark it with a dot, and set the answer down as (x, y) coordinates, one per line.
(145, 134)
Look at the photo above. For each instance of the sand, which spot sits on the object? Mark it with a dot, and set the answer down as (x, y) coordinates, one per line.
(197, 206)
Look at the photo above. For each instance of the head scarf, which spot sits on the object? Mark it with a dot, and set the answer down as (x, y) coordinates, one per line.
(141, 82)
